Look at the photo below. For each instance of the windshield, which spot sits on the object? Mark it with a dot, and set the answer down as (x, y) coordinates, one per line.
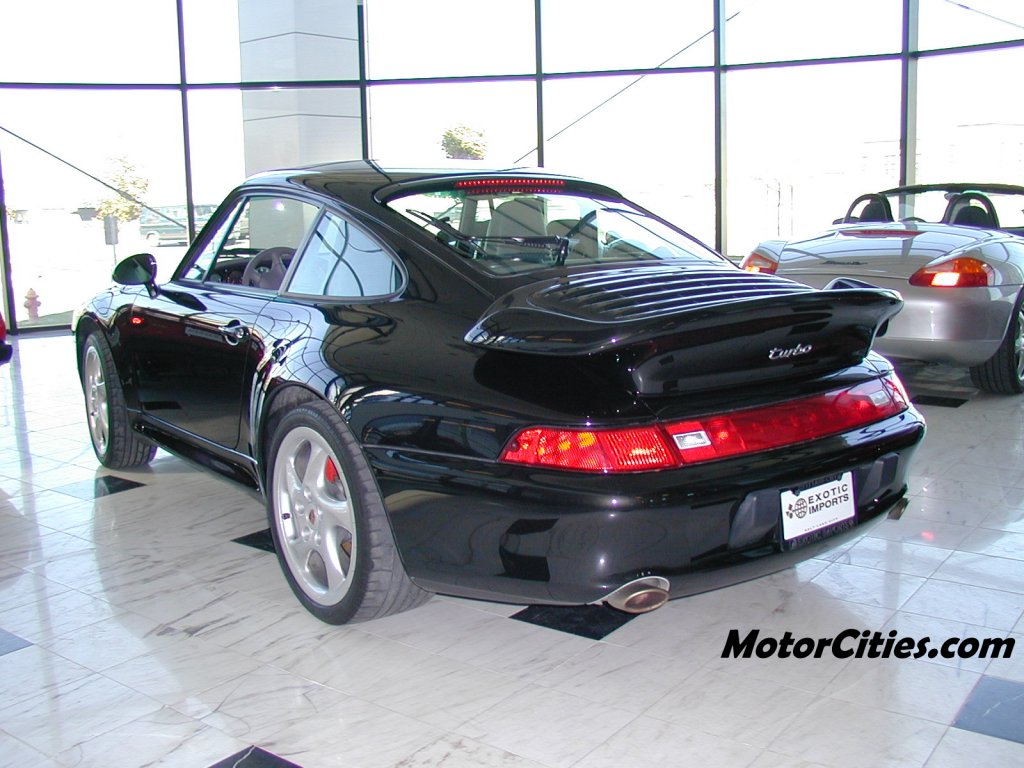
(515, 232)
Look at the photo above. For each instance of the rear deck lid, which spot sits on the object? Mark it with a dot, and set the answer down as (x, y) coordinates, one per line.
(882, 250)
(668, 328)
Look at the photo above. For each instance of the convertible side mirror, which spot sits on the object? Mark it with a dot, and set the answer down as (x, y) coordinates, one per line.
(139, 269)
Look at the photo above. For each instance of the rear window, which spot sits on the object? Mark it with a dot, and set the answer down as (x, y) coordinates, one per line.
(505, 229)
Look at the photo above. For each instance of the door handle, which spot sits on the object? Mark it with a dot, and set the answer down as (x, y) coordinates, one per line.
(234, 332)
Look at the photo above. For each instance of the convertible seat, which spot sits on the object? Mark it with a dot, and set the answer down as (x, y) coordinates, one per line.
(973, 216)
(875, 210)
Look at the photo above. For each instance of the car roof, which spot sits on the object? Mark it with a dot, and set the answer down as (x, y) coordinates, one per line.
(912, 189)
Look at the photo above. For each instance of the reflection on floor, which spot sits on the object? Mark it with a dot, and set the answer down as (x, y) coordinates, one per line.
(138, 628)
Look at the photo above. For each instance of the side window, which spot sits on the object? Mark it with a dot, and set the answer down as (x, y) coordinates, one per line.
(343, 261)
(256, 244)
(200, 266)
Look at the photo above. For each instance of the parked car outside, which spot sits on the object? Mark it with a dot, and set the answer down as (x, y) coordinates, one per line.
(508, 385)
(169, 223)
(955, 253)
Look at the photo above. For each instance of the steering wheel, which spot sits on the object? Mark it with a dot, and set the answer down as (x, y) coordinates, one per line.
(268, 267)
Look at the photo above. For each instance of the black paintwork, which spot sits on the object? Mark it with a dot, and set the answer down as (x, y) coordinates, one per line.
(435, 379)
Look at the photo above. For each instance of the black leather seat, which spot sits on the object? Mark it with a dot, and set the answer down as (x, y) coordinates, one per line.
(875, 210)
(973, 216)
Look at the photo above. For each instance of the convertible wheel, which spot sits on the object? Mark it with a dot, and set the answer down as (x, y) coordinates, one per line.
(1003, 373)
(328, 523)
(113, 440)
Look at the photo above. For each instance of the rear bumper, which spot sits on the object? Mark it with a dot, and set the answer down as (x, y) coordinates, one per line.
(962, 326)
(957, 326)
(500, 533)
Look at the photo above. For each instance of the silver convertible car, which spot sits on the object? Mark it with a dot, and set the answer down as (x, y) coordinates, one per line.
(956, 254)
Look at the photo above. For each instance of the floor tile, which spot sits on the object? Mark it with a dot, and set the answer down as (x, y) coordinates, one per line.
(995, 708)
(959, 748)
(857, 736)
(991, 608)
(519, 724)
(9, 642)
(254, 757)
(591, 621)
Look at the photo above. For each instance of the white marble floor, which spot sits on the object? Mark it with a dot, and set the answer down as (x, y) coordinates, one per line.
(134, 631)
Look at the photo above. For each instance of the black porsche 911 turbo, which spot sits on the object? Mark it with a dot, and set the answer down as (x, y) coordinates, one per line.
(509, 385)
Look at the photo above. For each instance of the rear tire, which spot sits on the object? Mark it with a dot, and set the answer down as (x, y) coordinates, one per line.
(327, 519)
(1003, 373)
(113, 441)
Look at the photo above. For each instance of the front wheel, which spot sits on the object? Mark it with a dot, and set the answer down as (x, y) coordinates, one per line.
(113, 441)
(328, 523)
(1003, 373)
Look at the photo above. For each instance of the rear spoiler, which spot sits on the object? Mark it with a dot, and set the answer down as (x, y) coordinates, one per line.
(663, 331)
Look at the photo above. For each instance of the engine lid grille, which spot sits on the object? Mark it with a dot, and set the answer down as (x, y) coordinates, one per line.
(640, 293)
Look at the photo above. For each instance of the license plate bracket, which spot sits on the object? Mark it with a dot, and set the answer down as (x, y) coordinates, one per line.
(816, 510)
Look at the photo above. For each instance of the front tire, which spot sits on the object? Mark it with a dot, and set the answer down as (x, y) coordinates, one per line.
(1003, 373)
(327, 519)
(113, 441)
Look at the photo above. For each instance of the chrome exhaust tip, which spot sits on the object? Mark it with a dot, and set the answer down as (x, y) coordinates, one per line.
(640, 595)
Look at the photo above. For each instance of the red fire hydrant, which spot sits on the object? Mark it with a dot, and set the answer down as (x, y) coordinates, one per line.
(32, 303)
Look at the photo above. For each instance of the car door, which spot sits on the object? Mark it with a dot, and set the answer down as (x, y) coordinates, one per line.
(193, 344)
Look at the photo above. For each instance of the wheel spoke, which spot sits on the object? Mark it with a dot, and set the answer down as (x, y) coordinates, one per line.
(96, 400)
(318, 458)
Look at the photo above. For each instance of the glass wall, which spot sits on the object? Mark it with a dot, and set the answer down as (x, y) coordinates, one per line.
(802, 146)
(968, 129)
(648, 137)
(67, 155)
(606, 35)
(137, 110)
(408, 123)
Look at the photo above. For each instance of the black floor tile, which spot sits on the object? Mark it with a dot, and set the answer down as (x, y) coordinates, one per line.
(107, 485)
(259, 540)
(254, 757)
(10, 643)
(939, 400)
(593, 622)
(995, 708)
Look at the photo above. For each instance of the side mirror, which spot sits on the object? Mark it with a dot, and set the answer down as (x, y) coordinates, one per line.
(139, 269)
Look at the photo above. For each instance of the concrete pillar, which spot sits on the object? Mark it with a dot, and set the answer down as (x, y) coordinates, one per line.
(283, 41)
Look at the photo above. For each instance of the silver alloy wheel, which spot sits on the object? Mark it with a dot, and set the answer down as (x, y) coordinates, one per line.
(96, 401)
(313, 515)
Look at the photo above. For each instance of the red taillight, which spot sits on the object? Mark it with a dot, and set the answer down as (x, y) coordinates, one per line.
(761, 429)
(964, 272)
(709, 437)
(616, 450)
(758, 262)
